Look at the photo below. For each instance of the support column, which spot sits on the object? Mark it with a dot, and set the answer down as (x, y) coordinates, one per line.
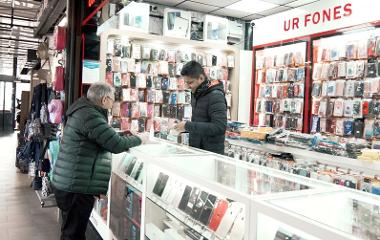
(73, 73)
(14, 92)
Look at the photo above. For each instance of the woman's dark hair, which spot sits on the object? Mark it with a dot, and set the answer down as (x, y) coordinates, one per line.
(193, 69)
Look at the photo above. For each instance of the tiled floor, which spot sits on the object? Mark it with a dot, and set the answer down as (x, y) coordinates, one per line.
(21, 216)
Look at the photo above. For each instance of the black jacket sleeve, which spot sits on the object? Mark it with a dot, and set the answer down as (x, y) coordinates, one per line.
(217, 111)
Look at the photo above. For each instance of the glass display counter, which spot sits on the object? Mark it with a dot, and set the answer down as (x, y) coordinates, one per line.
(167, 191)
(127, 186)
(325, 215)
(209, 196)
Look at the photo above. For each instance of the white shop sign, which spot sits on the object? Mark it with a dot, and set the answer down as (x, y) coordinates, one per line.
(321, 16)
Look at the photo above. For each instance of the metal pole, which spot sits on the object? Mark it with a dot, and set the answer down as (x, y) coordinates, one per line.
(4, 106)
(73, 73)
(14, 92)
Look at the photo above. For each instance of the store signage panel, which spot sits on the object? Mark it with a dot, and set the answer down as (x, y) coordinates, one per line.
(321, 16)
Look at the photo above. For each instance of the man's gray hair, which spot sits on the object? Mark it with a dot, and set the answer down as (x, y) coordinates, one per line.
(99, 90)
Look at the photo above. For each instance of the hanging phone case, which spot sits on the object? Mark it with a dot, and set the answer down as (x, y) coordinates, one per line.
(371, 45)
(358, 128)
(315, 124)
(369, 125)
(325, 85)
(349, 89)
(357, 109)
(136, 51)
(348, 128)
(359, 88)
(342, 69)
(348, 108)
(338, 108)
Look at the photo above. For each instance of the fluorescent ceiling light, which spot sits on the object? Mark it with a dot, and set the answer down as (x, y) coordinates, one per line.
(251, 6)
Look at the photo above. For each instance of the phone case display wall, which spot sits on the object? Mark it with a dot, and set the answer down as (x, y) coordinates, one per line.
(346, 85)
(345, 214)
(150, 91)
(280, 86)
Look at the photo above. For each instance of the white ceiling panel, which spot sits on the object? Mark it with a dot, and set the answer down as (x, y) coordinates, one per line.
(274, 10)
(252, 17)
(197, 7)
(218, 3)
(301, 3)
(230, 12)
(170, 3)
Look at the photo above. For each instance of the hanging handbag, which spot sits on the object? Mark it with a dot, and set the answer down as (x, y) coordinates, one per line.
(46, 187)
(59, 78)
(59, 38)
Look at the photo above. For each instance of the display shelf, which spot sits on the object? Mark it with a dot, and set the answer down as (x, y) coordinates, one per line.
(367, 167)
(100, 225)
(130, 180)
(183, 217)
(166, 41)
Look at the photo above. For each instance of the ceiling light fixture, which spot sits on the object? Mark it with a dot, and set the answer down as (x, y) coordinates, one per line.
(251, 6)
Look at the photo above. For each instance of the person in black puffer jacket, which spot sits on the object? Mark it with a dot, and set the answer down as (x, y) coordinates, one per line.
(209, 116)
(83, 167)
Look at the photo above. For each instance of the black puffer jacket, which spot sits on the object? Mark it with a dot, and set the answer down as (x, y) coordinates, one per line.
(84, 159)
(209, 120)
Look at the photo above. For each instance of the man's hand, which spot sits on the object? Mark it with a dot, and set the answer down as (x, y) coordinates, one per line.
(180, 127)
(144, 137)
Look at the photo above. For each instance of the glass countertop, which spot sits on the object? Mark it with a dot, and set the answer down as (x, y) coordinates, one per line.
(357, 214)
(157, 149)
(246, 179)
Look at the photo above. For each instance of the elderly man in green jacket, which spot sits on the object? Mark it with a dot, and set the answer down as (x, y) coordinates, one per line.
(83, 167)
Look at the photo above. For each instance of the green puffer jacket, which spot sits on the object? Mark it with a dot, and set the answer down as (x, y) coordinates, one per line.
(84, 159)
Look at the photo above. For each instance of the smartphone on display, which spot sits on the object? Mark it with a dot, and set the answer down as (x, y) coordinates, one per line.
(199, 204)
(159, 187)
(228, 219)
(193, 197)
(131, 166)
(185, 198)
(207, 209)
(218, 214)
(238, 229)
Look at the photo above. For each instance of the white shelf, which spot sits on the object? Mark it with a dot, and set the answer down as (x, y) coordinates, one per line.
(100, 225)
(146, 37)
(367, 167)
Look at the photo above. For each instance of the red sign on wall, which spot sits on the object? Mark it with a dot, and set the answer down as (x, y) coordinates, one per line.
(319, 17)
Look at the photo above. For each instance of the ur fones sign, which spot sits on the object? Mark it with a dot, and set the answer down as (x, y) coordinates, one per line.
(318, 17)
